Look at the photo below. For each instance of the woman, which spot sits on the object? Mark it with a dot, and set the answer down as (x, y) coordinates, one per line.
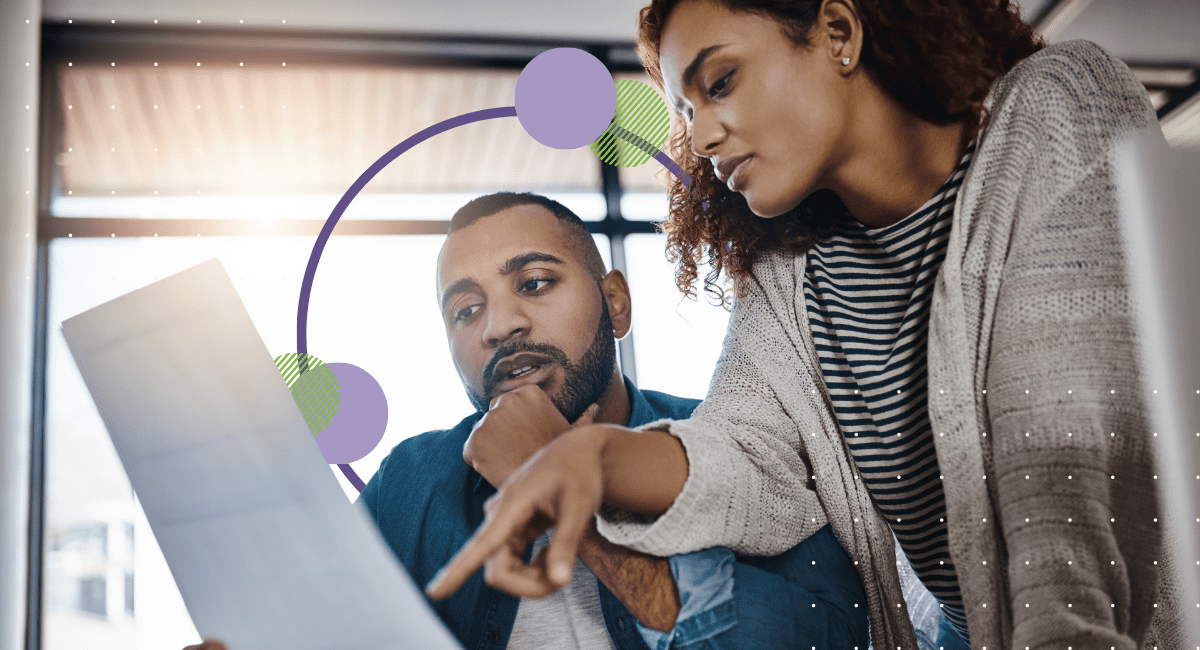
(931, 334)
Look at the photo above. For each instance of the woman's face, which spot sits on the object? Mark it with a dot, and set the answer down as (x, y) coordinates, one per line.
(767, 113)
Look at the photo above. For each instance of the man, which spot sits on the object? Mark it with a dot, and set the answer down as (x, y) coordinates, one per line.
(531, 317)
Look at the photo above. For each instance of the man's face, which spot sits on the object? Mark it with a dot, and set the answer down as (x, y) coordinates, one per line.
(520, 308)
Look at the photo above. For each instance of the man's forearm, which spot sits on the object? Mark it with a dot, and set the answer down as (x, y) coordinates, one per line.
(643, 583)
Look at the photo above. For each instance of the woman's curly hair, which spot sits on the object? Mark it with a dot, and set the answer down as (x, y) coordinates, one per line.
(938, 58)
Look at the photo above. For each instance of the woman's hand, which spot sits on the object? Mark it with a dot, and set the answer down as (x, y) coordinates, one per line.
(561, 486)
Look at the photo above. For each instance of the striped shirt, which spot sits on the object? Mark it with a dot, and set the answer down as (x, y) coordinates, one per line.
(868, 294)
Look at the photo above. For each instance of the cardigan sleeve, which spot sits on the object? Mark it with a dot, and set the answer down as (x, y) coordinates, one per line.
(748, 485)
(1072, 446)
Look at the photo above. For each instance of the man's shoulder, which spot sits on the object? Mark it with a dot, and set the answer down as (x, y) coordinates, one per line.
(667, 406)
(438, 439)
(427, 457)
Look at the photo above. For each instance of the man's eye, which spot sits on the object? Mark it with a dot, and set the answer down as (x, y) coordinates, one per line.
(535, 284)
(465, 313)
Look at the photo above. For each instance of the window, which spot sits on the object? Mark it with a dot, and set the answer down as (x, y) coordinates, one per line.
(160, 167)
(676, 340)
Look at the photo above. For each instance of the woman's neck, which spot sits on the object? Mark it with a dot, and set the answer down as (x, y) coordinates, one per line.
(895, 160)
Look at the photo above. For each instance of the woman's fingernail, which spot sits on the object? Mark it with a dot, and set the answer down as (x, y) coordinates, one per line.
(436, 581)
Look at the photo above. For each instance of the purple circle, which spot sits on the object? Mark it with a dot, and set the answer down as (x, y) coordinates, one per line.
(361, 418)
(565, 98)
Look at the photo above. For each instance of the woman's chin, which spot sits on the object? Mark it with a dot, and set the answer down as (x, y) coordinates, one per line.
(767, 209)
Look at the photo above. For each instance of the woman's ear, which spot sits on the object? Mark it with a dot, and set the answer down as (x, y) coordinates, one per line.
(620, 307)
(840, 34)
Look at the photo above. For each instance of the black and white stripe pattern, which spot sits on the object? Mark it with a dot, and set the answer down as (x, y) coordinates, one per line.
(868, 294)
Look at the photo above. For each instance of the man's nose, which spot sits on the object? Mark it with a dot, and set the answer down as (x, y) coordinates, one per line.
(506, 319)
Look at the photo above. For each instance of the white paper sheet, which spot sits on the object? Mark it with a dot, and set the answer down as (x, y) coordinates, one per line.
(264, 546)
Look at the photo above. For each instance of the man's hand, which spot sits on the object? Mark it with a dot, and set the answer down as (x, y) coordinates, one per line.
(519, 423)
(207, 645)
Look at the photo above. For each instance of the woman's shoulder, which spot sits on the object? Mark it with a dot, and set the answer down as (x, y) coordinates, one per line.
(1073, 78)
(1070, 103)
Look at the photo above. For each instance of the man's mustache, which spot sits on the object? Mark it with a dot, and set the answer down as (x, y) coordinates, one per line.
(515, 347)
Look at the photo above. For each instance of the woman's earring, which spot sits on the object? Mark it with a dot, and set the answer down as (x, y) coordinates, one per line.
(845, 60)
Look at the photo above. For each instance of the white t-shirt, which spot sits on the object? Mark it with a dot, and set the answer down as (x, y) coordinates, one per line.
(569, 618)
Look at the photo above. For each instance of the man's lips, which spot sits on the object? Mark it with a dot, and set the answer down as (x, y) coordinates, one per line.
(727, 168)
(526, 375)
(519, 365)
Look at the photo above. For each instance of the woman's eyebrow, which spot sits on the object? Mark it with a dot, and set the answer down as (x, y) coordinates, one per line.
(689, 72)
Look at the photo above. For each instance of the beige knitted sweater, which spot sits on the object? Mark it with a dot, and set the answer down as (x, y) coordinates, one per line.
(1035, 400)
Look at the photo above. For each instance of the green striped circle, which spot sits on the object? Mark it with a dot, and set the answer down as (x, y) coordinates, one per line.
(641, 113)
(315, 389)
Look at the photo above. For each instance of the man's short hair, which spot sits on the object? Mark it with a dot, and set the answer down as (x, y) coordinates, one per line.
(490, 204)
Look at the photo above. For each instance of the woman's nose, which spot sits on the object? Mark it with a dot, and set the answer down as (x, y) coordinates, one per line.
(707, 134)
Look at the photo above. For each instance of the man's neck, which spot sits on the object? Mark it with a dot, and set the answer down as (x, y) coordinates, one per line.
(615, 407)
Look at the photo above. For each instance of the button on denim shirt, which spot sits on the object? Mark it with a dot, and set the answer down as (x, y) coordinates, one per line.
(428, 502)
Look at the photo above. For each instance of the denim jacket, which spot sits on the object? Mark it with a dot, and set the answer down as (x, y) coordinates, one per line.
(427, 503)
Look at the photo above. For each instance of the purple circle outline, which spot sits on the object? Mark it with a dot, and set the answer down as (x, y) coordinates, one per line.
(356, 187)
(441, 127)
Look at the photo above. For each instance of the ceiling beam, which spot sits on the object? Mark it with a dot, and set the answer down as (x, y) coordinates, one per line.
(1177, 98)
(82, 42)
(71, 227)
(1155, 75)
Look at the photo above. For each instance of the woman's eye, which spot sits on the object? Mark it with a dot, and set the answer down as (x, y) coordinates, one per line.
(465, 313)
(719, 85)
(535, 284)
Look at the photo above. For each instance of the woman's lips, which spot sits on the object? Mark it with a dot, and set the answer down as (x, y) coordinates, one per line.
(737, 179)
(733, 170)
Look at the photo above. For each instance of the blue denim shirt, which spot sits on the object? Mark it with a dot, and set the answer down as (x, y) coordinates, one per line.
(428, 502)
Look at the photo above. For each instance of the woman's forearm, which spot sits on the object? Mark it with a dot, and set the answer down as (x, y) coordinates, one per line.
(643, 470)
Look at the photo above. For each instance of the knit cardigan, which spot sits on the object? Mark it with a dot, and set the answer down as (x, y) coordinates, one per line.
(1035, 399)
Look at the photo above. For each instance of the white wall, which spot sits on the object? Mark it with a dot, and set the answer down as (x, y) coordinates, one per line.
(20, 28)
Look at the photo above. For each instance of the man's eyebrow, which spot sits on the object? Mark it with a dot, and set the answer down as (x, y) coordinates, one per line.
(517, 263)
(689, 72)
(459, 286)
(511, 266)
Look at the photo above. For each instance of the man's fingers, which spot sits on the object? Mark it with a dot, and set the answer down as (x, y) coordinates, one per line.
(574, 519)
(587, 417)
(491, 537)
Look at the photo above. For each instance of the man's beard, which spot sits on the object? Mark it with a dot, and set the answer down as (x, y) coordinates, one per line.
(583, 382)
